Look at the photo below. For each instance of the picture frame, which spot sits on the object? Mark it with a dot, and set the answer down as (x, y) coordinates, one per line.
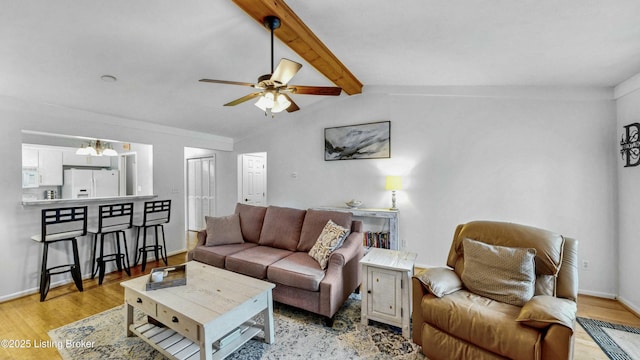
(360, 141)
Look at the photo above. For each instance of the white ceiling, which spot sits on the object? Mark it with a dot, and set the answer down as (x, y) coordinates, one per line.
(56, 51)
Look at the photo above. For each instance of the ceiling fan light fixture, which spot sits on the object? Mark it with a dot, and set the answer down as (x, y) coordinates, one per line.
(270, 100)
(282, 103)
(265, 102)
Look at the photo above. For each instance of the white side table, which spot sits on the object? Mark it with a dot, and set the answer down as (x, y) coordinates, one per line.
(386, 288)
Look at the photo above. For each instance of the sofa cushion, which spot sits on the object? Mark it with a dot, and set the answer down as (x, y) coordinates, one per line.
(498, 272)
(331, 238)
(281, 227)
(298, 270)
(251, 219)
(216, 255)
(484, 322)
(223, 230)
(314, 222)
(254, 261)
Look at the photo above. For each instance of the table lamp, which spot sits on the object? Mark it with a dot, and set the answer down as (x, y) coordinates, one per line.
(393, 183)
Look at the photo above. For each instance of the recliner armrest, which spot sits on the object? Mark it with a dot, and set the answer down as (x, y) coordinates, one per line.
(543, 311)
(439, 281)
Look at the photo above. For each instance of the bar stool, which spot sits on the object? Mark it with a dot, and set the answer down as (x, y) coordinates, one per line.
(112, 219)
(61, 224)
(155, 215)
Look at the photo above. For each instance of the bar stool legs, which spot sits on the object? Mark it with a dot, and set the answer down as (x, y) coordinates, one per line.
(75, 224)
(45, 277)
(121, 260)
(46, 273)
(158, 250)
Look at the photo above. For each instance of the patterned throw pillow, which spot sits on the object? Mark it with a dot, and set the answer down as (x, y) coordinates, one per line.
(330, 239)
(500, 273)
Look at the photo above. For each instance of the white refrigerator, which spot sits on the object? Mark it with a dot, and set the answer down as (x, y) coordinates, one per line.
(81, 183)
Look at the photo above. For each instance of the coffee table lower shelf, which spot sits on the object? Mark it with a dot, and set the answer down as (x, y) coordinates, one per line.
(175, 346)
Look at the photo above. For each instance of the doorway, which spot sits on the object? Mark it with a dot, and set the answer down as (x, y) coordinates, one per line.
(252, 179)
(128, 174)
(201, 194)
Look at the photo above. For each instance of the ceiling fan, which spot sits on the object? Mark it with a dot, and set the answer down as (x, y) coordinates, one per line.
(274, 87)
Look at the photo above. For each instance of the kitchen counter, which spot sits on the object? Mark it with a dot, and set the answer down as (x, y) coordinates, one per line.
(72, 202)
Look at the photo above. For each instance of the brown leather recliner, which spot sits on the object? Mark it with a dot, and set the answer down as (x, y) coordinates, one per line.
(452, 322)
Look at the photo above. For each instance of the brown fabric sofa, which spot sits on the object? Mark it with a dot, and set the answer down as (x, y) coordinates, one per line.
(276, 248)
(460, 324)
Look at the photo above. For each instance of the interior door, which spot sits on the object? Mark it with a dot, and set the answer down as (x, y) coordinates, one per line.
(254, 179)
(200, 191)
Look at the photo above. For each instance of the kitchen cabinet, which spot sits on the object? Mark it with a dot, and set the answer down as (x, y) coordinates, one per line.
(50, 167)
(29, 157)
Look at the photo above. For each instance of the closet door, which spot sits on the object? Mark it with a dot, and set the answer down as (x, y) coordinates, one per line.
(201, 191)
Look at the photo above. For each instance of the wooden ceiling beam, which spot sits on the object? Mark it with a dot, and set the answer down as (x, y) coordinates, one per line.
(295, 34)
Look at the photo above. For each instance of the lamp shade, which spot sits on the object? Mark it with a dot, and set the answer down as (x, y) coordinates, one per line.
(393, 183)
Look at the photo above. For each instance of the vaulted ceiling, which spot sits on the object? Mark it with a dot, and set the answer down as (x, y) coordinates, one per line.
(56, 51)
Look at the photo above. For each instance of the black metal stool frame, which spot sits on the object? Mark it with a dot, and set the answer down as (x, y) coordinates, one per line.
(52, 217)
(153, 207)
(124, 211)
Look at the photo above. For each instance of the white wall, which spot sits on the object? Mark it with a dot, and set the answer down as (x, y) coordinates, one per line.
(628, 108)
(21, 256)
(542, 157)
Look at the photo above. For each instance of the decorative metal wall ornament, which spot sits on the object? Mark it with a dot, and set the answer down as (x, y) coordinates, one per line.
(630, 145)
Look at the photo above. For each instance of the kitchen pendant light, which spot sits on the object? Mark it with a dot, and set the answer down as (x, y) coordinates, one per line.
(96, 148)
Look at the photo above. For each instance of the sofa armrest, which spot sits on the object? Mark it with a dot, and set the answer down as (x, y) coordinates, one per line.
(342, 275)
(202, 238)
(542, 311)
(351, 248)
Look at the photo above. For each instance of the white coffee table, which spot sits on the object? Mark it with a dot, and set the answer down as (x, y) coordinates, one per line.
(208, 318)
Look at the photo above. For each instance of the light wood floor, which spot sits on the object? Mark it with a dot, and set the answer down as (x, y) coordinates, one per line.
(28, 320)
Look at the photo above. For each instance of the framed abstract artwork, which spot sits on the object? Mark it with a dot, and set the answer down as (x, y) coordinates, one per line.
(362, 141)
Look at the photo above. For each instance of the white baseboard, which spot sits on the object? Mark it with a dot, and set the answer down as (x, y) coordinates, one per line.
(630, 306)
(66, 281)
(597, 294)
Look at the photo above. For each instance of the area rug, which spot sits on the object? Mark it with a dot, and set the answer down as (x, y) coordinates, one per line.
(299, 335)
(619, 342)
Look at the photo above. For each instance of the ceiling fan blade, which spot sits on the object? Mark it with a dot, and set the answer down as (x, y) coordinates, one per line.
(293, 107)
(285, 71)
(314, 90)
(227, 82)
(243, 99)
